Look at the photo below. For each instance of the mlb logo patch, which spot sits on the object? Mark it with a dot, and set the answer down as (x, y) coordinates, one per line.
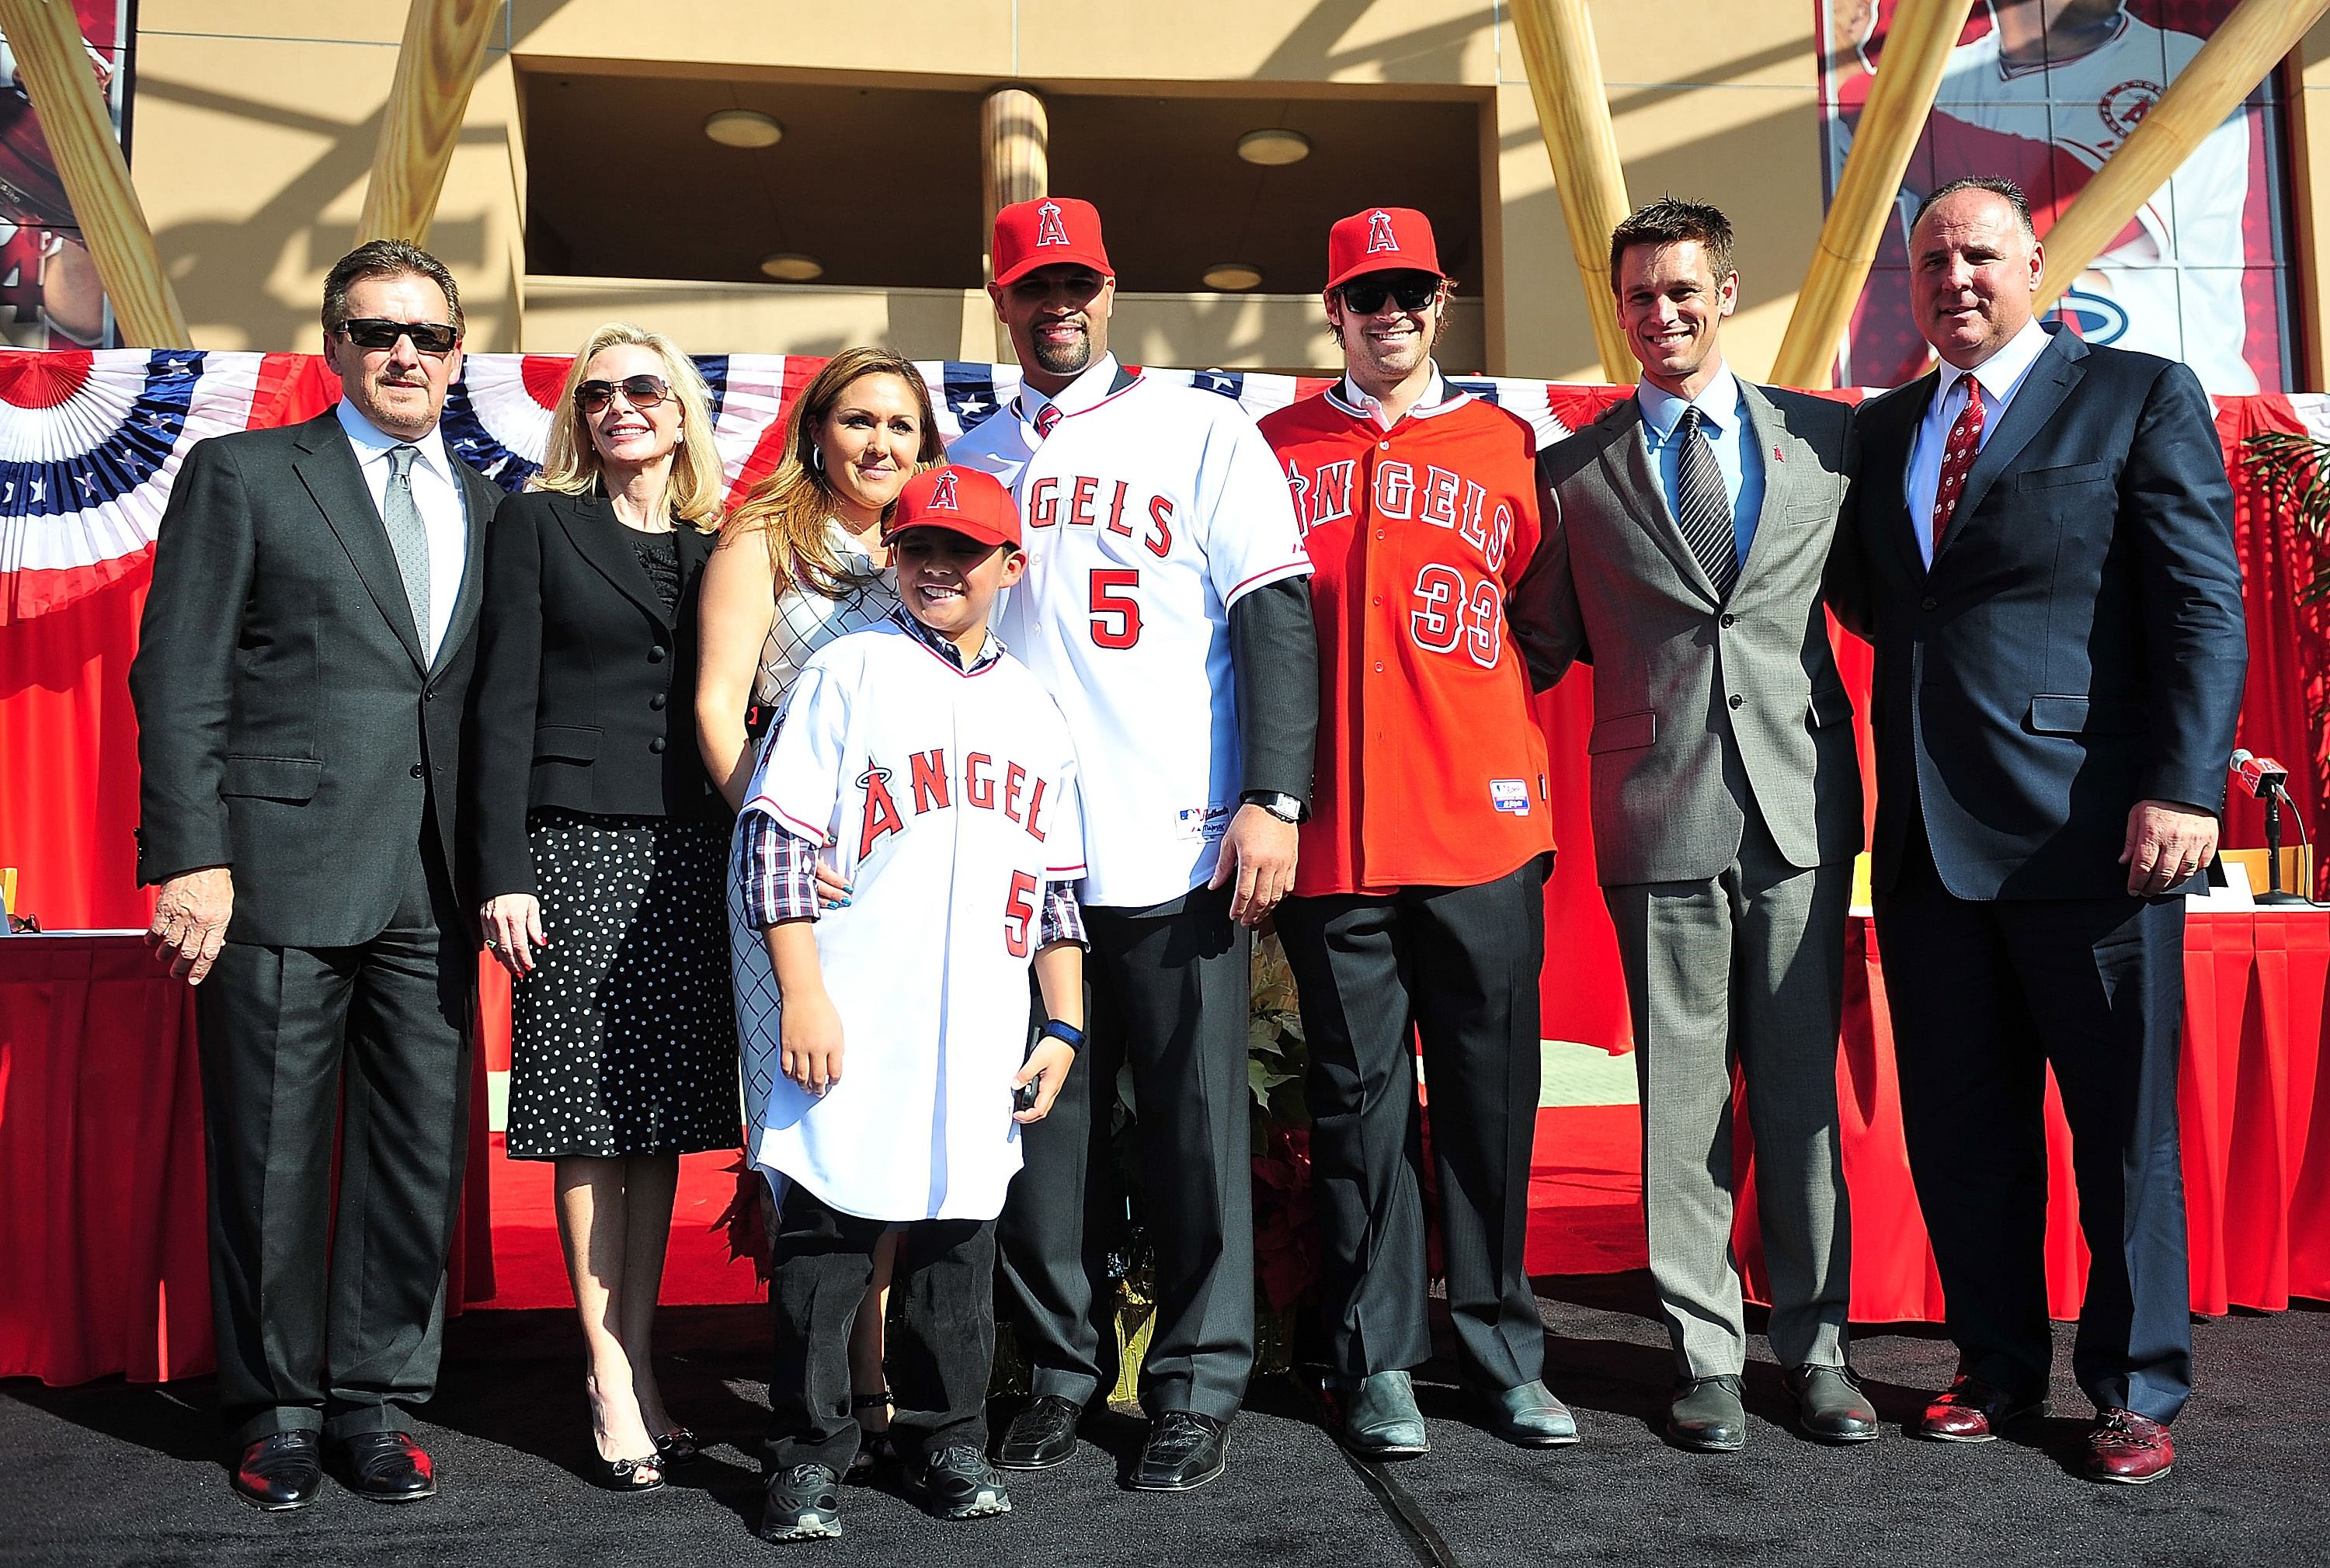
(1509, 795)
(1204, 823)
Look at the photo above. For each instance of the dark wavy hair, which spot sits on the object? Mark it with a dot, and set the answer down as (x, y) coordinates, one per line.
(384, 258)
(1668, 221)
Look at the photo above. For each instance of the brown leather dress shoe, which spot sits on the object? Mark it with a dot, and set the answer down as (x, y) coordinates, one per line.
(387, 1467)
(280, 1471)
(1973, 1410)
(2126, 1448)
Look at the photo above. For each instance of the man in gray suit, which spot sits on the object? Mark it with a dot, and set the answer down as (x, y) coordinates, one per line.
(1687, 535)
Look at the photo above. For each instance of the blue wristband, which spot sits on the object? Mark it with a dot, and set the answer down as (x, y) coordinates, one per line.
(1068, 1035)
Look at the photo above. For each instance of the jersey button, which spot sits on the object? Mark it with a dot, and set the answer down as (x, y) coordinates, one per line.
(655, 745)
(1379, 671)
(1383, 446)
(1737, 701)
(1378, 599)
(1379, 533)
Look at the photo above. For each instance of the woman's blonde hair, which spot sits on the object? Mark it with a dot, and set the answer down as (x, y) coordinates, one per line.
(571, 463)
(792, 504)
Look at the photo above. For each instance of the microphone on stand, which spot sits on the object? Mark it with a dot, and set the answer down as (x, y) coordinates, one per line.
(2261, 776)
(2268, 780)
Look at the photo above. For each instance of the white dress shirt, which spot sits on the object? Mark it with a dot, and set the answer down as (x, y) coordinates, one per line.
(2002, 375)
(437, 492)
(1435, 392)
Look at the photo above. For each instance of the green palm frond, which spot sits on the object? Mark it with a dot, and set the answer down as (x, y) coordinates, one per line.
(2297, 470)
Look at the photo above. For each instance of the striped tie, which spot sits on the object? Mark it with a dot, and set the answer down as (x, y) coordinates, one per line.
(1703, 507)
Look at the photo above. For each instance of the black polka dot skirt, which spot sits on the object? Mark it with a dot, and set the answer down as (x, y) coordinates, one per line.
(623, 1039)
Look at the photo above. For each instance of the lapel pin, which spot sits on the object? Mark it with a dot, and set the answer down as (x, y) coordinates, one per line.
(1778, 456)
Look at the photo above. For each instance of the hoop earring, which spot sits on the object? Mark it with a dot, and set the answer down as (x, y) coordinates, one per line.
(817, 456)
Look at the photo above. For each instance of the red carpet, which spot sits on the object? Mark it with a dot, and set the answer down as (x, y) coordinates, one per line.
(1585, 1215)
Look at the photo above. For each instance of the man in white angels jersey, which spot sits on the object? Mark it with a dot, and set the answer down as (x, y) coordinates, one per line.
(2048, 94)
(1167, 608)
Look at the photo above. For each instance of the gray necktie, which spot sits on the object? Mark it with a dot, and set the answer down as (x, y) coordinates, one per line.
(1702, 506)
(407, 537)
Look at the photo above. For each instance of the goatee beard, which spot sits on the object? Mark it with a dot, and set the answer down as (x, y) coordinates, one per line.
(1069, 359)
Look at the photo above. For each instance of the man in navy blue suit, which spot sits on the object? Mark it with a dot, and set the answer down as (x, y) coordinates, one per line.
(2038, 541)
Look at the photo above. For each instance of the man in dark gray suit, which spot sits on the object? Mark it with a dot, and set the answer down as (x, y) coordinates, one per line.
(300, 683)
(1687, 537)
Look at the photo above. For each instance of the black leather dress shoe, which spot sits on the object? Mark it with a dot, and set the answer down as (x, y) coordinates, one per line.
(387, 1467)
(1041, 1436)
(1707, 1415)
(1829, 1406)
(280, 1471)
(1184, 1451)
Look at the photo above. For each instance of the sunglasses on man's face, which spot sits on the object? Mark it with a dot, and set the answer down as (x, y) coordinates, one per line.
(641, 391)
(428, 336)
(1412, 290)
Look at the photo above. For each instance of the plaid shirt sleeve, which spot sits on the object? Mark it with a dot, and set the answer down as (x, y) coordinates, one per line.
(776, 868)
(1062, 921)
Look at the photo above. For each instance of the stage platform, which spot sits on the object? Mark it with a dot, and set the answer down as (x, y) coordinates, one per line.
(112, 1474)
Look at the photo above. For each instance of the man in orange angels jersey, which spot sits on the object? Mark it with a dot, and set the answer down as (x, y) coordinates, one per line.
(1418, 903)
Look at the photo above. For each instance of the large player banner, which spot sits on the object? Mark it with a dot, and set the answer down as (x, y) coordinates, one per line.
(2043, 91)
(49, 296)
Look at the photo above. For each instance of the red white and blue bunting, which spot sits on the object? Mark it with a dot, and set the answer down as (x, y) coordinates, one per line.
(91, 443)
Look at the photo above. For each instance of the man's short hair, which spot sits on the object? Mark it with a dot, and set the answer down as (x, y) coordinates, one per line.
(384, 258)
(1667, 221)
(1998, 185)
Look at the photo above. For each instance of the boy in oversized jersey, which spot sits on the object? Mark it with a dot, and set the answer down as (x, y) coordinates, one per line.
(883, 1040)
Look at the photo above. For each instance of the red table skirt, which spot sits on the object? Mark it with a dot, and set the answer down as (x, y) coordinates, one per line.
(104, 1241)
(2256, 1126)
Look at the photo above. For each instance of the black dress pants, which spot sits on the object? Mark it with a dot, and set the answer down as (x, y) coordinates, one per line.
(1456, 967)
(1169, 991)
(329, 1322)
(938, 1361)
(1985, 996)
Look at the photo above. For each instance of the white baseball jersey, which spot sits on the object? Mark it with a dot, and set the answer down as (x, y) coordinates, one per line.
(1148, 510)
(947, 801)
(2179, 283)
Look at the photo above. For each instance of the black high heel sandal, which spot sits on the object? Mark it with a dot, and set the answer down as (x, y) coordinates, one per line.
(626, 1475)
(678, 1447)
(874, 1447)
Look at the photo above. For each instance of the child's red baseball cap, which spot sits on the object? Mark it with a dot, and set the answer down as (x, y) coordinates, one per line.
(960, 500)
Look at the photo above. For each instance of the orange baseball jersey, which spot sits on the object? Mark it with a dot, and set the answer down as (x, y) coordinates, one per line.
(1431, 770)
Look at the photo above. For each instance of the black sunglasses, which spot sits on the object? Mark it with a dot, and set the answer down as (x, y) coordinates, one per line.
(1413, 290)
(428, 336)
(641, 391)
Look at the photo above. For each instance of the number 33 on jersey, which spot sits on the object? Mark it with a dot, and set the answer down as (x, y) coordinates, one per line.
(1431, 767)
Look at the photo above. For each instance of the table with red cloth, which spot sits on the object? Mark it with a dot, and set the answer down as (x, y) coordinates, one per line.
(2255, 1110)
(104, 1241)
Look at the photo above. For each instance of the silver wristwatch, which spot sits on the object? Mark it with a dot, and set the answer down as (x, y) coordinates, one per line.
(1277, 802)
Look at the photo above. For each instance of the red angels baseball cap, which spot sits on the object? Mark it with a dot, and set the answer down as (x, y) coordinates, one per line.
(1047, 231)
(1380, 240)
(960, 500)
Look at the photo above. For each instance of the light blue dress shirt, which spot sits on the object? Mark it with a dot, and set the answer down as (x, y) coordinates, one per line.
(2002, 375)
(1733, 439)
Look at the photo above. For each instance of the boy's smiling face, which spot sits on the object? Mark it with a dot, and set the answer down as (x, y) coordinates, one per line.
(949, 582)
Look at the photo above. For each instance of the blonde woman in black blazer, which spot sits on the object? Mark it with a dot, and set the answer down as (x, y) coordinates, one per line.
(597, 845)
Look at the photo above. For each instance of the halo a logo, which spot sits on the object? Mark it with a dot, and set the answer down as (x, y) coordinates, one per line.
(2095, 318)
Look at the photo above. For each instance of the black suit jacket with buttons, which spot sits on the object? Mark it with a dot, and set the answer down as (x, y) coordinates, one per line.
(2078, 645)
(585, 693)
(289, 727)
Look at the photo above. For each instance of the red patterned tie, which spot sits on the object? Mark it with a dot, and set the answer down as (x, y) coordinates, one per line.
(1957, 459)
(1047, 420)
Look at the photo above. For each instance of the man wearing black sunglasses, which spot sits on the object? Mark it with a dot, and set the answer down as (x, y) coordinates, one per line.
(300, 683)
(1419, 892)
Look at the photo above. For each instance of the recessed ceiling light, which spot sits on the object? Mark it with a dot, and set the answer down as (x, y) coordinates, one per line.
(1274, 148)
(792, 267)
(744, 128)
(1231, 277)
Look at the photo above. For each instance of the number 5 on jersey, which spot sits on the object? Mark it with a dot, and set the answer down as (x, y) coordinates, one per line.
(1115, 613)
(1019, 914)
